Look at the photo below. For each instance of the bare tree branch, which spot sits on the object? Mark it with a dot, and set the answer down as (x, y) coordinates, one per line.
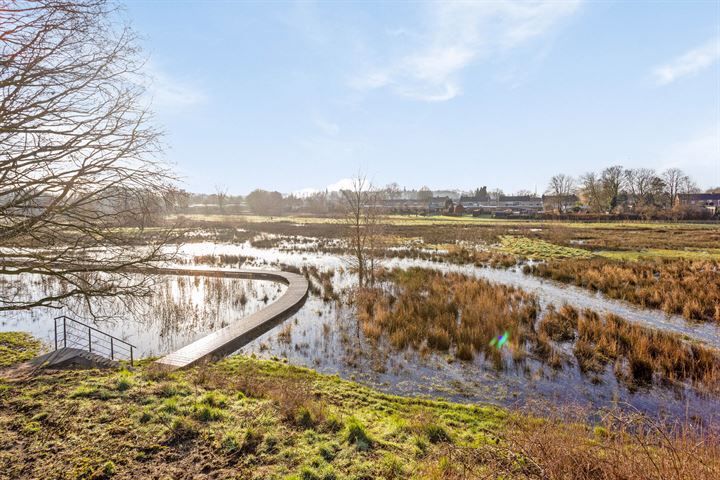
(80, 177)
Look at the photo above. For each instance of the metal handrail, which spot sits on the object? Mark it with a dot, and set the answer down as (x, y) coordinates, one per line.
(70, 329)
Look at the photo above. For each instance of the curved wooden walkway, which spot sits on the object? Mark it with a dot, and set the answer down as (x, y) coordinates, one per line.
(229, 339)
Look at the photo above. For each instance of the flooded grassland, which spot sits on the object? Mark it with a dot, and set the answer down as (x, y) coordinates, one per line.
(543, 364)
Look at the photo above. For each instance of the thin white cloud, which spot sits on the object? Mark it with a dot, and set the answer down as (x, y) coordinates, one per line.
(327, 127)
(167, 91)
(457, 35)
(689, 63)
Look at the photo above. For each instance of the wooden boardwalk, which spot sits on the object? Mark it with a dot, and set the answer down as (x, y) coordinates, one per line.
(241, 332)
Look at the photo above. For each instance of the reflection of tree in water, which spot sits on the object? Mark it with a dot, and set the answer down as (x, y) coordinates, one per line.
(180, 310)
(189, 306)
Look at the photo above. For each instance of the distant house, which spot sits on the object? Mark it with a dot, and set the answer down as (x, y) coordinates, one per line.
(475, 202)
(401, 205)
(710, 201)
(440, 205)
(520, 202)
(564, 202)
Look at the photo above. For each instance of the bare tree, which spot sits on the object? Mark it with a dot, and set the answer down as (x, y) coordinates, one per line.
(221, 196)
(392, 190)
(362, 216)
(592, 189)
(424, 194)
(630, 176)
(496, 194)
(612, 184)
(642, 185)
(677, 182)
(561, 186)
(79, 155)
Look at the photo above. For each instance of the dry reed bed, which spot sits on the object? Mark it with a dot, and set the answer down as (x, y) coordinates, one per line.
(426, 309)
(638, 353)
(221, 260)
(431, 311)
(685, 287)
(626, 236)
(623, 446)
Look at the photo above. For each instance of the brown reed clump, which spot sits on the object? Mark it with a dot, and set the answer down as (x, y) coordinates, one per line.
(431, 311)
(645, 352)
(446, 312)
(690, 288)
(324, 278)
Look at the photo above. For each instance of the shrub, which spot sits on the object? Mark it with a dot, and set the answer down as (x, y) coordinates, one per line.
(355, 434)
(206, 413)
(124, 382)
(246, 442)
(436, 433)
(214, 399)
(183, 428)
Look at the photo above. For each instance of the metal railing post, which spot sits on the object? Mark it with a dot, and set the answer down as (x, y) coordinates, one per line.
(78, 336)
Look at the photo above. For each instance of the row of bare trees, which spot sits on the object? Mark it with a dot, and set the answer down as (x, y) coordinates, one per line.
(79, 152)
(616, 188)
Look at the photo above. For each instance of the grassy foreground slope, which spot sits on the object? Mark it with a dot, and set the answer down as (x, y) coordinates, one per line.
(249, 418)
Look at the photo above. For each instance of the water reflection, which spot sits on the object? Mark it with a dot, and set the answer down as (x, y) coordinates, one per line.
(181, 310)
(547, 291)
(325, 335)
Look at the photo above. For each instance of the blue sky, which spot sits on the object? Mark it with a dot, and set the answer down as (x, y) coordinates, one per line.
(297, 95)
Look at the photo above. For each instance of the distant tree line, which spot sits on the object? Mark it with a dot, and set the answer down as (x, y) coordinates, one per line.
(618, 190)
(614, 190)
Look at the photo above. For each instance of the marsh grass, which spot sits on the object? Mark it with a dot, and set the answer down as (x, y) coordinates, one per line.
(324, 279)
(445, 311)
(639, 353)
(537, 249)
(626, 446)
(221, 260)
(684, 287)
(429, 310)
